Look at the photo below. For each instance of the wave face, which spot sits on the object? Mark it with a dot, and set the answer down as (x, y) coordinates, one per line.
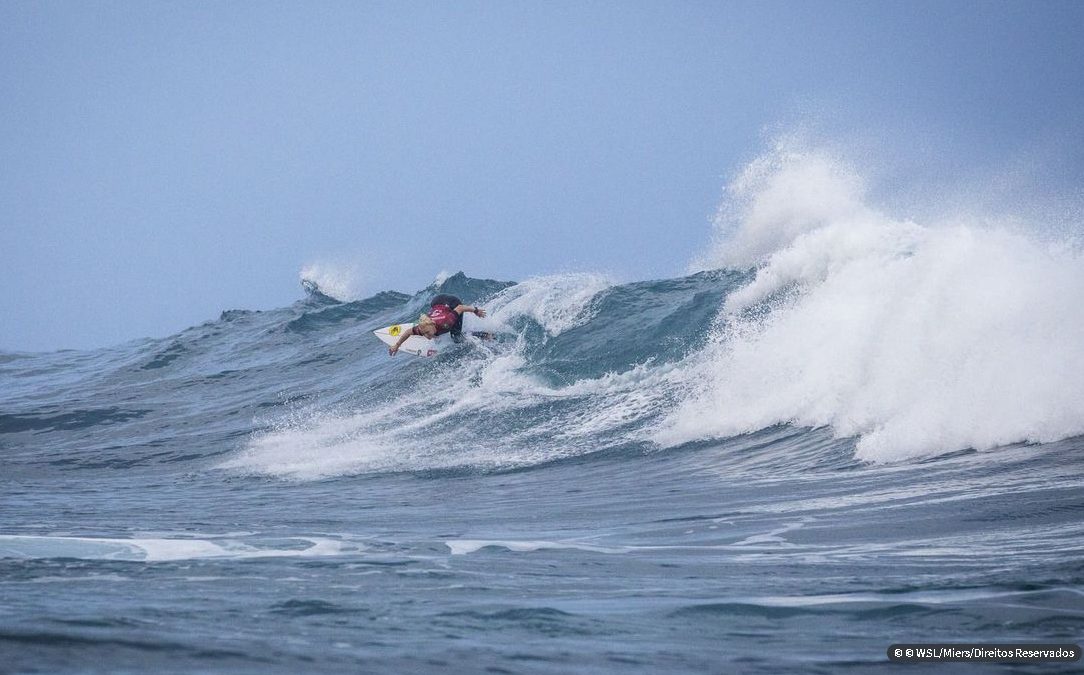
(843, 416)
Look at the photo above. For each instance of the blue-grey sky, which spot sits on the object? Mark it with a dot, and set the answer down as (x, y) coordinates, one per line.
(163, 161)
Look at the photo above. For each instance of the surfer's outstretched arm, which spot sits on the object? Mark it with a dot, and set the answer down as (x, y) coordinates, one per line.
(478, 311)
(402, 338)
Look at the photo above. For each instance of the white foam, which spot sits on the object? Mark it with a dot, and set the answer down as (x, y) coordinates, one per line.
(465, 546)
(324, 445)
(154, 549)
(411, 432)
(916, 338)
(418, 429)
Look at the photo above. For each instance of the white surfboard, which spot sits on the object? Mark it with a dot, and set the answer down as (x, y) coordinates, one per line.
(415, 344)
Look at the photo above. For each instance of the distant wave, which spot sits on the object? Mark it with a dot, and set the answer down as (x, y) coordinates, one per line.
(332, 281)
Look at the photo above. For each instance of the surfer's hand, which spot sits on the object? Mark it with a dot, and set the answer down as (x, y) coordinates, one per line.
(392, 350)
(479, 312)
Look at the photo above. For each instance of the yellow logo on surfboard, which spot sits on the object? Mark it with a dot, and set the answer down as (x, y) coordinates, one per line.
(394, 330)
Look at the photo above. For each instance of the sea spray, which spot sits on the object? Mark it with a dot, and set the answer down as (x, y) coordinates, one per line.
(339, 281)
(918, 339)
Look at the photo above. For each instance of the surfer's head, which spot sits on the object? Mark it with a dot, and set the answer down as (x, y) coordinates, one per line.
(426, 326)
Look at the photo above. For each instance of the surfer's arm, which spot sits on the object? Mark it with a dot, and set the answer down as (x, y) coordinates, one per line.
(460, 309)
(402, 338)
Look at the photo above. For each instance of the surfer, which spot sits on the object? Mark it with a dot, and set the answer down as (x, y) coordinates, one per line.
(445, 316)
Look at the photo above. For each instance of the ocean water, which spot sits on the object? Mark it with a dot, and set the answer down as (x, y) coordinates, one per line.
(839, 431)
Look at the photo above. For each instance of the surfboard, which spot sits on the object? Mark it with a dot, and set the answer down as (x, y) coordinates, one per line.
(415, 344)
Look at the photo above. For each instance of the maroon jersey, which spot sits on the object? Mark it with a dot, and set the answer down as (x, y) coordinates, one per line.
(444, 316)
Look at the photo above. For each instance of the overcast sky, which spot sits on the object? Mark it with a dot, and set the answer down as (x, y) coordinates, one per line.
(163, 161)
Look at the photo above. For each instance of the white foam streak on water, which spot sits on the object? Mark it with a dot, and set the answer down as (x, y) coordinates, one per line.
(467, 546)
(153, 549)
